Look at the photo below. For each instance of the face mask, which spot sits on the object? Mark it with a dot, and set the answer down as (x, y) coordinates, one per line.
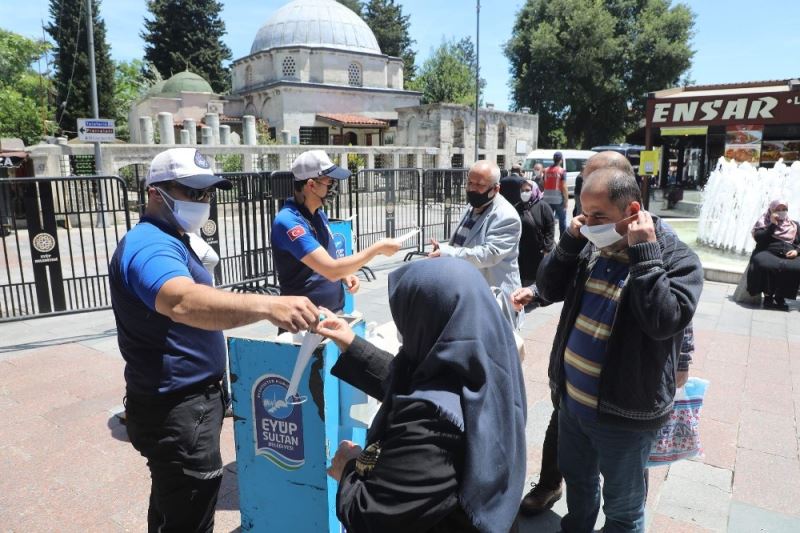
(602, 236)
(479, 199)
(190, 216)
(525, 197)
(782, 215)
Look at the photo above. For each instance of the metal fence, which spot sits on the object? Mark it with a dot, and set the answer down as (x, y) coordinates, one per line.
(62, 232)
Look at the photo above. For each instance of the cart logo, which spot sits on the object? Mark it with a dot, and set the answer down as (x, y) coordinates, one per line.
(341, 245)
(44, 243)
(209, 228)
(278, 425)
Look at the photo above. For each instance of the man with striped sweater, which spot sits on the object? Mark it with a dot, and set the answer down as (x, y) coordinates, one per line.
(628, 294)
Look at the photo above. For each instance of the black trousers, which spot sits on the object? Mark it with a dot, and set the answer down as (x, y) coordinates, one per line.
(179, 436)
(550, 476)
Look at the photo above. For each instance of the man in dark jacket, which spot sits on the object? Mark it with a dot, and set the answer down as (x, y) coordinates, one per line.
(628, 295)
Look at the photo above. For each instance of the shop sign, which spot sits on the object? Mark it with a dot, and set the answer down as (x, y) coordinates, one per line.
(765, 108)
(743, 143)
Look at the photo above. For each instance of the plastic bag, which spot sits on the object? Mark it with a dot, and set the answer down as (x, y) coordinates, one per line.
(679, 438)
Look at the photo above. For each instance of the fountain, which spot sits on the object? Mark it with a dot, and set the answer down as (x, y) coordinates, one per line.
(736, 195)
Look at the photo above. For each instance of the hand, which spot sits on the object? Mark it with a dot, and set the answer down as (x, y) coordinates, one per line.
(641, 229)
(389, 247)
(346, 452)
(681, 378)
(773, 217)
(575, 226)
(521, 297)
(336, 329)
(791, 254)
(352, 283)
(292, 313)
(437, 252)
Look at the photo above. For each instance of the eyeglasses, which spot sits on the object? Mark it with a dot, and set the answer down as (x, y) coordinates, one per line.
(195, 195)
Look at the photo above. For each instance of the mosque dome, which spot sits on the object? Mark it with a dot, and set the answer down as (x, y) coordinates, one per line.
(320, 23)
(185, 82)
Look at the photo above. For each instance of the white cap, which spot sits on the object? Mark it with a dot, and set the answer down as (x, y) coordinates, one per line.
(316, 163)
(187, 166)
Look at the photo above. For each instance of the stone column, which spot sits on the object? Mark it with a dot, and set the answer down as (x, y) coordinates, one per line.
(418, 160)
(190, 125)
(370, 159)
(212, 121)
(284, 136)
(166, 128)
(185, 137)
(249, 130)
(225, 135)
(146, 130)
(207, 136)
(396, 160)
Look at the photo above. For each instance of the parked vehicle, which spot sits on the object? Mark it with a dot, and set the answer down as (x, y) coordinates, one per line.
(630, 151)
(574, 161)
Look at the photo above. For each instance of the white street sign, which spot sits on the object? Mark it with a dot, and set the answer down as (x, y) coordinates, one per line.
(96, 130)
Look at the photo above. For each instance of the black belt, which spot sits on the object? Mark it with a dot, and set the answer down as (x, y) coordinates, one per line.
(205, 387)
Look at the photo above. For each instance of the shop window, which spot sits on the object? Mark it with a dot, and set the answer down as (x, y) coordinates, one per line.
(354, 77)
(289, 67)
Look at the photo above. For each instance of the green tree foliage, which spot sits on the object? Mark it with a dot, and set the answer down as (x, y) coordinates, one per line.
(390, 26)
(67, 27)
(585, 66)
(353, 5)
(23, 92)
(448, 75)
(131, 81)
(187, 34)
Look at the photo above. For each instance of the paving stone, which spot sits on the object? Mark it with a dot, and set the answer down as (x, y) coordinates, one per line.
(768, 432)
(723, 402)
(719, 441)
(720, 478)
(767, 481)
(762, 348)
(746, 518)
(667, 524)
(694, 502)
(772, 371)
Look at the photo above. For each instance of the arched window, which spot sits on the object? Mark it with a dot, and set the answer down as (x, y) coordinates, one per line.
(354, 77)
(482, 134)
(289, 67)
(350, 138)
(248, 76)
(458, 133)
(501, 136)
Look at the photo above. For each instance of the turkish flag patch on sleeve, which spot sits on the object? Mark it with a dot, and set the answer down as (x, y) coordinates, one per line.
(296, 232)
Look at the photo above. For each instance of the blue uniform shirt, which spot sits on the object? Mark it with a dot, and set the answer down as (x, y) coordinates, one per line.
(295, 234)
(161, 355)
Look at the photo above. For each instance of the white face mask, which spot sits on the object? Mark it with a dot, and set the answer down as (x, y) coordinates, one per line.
(782, 215)
(189, 215)
(525, 196)
(602, 236)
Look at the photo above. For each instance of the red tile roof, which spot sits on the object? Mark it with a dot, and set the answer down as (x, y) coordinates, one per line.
(344, 119)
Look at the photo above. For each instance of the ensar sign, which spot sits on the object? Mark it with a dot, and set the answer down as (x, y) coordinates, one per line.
(765, 108)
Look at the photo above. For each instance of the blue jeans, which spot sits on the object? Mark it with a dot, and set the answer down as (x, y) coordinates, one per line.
(587, 449)
(560, 212)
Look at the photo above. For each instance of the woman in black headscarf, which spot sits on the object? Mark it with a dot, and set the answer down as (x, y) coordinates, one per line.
(538, 224)
(446, 450)
(774, 267)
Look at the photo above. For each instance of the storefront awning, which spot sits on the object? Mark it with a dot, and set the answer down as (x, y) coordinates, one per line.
(684, 130)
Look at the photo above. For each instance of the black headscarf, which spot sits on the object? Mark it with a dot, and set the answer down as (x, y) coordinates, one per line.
(459, 354)
(510, 187)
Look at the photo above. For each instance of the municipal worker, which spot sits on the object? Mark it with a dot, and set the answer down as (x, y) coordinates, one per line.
(169, 321)
(303, 245)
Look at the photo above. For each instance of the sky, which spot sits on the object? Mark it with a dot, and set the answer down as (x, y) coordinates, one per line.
(735, 40)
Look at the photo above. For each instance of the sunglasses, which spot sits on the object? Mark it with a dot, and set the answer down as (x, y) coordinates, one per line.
(195, 195)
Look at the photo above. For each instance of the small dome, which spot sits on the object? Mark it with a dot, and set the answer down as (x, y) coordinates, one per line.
(185, 82)
(156, 88)
(323, 23)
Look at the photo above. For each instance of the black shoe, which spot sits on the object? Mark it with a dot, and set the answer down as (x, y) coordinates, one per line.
(767, 302)
(539, 499)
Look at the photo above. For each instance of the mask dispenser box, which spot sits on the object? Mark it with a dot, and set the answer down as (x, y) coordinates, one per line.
(287, 432)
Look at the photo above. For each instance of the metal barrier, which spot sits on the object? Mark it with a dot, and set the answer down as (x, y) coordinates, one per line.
(385, 203)
(60, 270)
(56, 261)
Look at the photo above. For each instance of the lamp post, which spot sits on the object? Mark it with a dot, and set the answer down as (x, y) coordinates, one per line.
(477, 71)
(98, 156)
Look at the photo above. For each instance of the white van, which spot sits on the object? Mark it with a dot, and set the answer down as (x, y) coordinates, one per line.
(574, 161)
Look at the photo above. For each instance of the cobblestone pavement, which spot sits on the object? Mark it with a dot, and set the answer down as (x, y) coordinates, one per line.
(66, 465)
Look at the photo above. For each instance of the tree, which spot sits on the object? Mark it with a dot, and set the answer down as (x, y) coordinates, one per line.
(585, 66)
(354, 5)
(187, 34)
(446, 76)
(465, 49)
(68, 30)
(131, 81)
(390, 26)
(23, 92)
